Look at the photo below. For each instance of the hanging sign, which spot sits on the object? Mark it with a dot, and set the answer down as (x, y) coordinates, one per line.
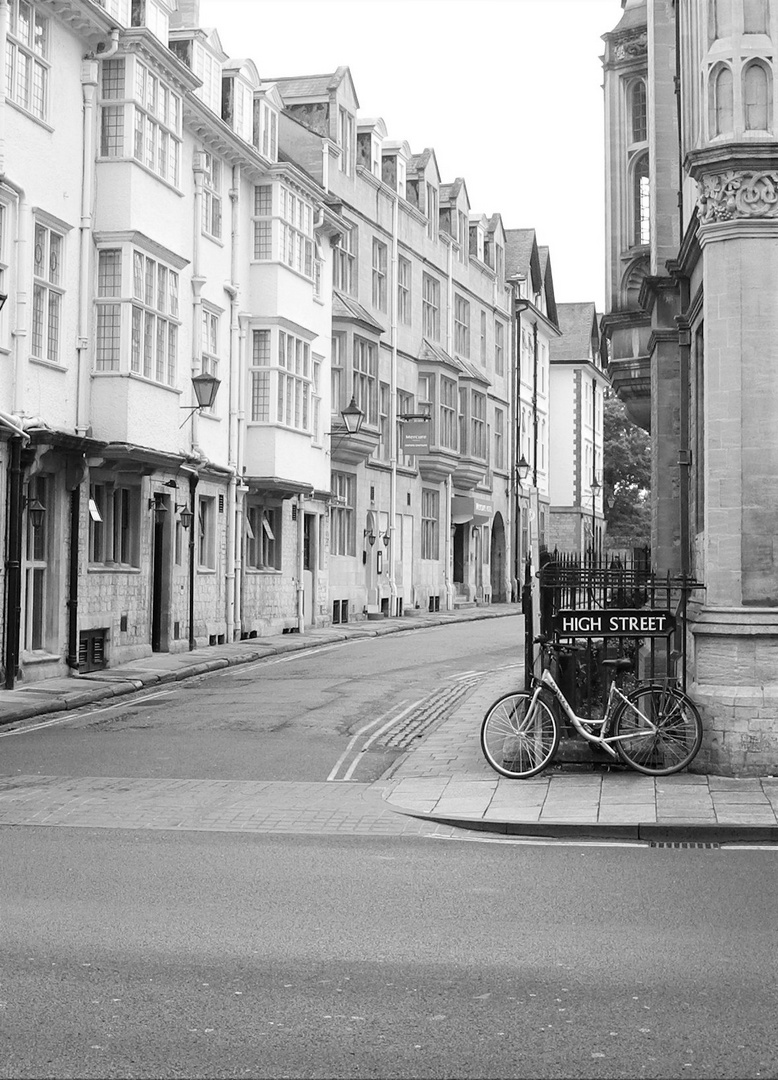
(625, 622)
(416, 437)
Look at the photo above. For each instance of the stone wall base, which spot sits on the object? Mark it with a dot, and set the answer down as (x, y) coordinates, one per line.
(735, 687)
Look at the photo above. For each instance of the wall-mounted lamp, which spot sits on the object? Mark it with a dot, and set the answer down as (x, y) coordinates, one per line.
(386, 538)
(352, 417)
(205, 387)
(370, 537)
(522, 469)
(186, 515)
(157, 506)
(36, 512)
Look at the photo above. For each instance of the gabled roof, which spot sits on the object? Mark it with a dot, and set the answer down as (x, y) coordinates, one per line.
(435, 354)
(548, 284)
(495, 222)
(522, 257)
(308, 87)
(419, 163)
(449, 193)
(242, 66)
(580, 336)
(344, 307)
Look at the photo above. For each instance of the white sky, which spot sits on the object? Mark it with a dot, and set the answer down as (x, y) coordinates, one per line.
(507, 92)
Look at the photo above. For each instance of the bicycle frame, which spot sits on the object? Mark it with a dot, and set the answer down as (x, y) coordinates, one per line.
(615, 695)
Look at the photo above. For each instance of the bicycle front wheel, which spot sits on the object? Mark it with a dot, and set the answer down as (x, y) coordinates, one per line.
(659, 729)
(518, 738)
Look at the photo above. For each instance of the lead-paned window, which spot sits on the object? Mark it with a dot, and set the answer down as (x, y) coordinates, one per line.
(499, 347)
(430, 523)
(461, 326)
(154, 339)
(448, 413)
(403, 291)
(140, 117)
(26, 59)
(430, 307)
(478, 425)
(365, 381)
(47, 293)
(212, 196)
(344, 265)
(343, 514)
(379, 275)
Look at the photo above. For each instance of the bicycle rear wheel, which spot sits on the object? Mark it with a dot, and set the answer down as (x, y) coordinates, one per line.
(677, 735)
(519, 739)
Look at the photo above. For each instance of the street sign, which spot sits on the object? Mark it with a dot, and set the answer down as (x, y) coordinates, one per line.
(618, 623)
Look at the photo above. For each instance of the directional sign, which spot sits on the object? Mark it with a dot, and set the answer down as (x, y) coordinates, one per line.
(625, 622)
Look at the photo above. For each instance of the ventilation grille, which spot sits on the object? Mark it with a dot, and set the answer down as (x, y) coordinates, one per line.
(682, 844)
(91, 650)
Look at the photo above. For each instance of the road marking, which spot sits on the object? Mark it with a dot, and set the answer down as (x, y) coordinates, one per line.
(532, 842)
(366, 728)
(83, 715)
(374, 736)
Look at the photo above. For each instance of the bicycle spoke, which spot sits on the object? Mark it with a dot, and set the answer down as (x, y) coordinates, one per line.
(519, 736)
(660, 730)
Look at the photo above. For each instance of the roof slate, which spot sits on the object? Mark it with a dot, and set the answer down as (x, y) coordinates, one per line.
(578, 323)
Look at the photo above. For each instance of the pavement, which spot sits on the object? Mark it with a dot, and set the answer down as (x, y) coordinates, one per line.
(439, 787)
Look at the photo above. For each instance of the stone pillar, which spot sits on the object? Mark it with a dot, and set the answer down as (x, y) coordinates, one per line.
(735, 630)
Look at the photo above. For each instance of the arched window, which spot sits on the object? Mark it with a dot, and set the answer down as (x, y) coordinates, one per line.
(754, 16)
(642, 201)
(720, 101)
(720, 19)
(638, 110)
(756, 98)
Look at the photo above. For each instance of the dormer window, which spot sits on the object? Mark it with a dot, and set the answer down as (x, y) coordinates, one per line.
(477, 240)
(154, 16)
(346, 141)
(267, 134)
(432, 212)
(207, 68)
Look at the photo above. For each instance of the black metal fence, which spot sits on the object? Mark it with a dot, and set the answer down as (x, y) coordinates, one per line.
(610, 606)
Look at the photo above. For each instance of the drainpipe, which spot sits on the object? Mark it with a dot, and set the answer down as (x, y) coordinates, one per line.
(535, 405)
(89, 81)
(13, 565)
(300, 565)
(198, 168)
(232, 291)
(393, 606)
(448, 576)
(192, 533)
(72, 603)
(239, 468)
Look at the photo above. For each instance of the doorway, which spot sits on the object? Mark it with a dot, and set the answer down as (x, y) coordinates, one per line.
(160, 575)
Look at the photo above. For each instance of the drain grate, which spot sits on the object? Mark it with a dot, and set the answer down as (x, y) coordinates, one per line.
(682, 844)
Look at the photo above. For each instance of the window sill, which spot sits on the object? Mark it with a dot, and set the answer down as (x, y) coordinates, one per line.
(29, 115)
(51, 364)
(263, 571)
(112, 568)
(39, 656)
(206, 570)
(138, 378)
(214, 239)
(149, 172)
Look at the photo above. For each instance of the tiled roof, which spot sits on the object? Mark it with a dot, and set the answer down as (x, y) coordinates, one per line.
(343, 307)
(303, 85)
(578, 322)
(435, 354)
(519, 245)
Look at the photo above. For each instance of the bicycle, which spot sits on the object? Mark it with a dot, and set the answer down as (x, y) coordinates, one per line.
(655, 729)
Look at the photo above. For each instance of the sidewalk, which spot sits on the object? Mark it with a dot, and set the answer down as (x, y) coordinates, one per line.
(447, 779)
(442, 783)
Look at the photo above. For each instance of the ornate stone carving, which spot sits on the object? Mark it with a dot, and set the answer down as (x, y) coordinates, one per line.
(631, 46)
(738, 194)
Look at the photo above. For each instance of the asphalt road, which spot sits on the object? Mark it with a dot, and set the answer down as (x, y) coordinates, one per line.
(285, 718)
(137, 954)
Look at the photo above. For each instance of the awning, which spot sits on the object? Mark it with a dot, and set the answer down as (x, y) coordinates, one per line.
(470, 508)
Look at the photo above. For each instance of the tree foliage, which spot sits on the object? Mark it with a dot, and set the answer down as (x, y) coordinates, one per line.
(626, 475)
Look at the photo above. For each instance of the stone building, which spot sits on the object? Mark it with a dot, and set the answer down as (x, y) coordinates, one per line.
(172, 223)
(692, 268)
(578, 385)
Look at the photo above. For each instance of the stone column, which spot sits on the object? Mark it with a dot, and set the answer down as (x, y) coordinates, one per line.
(735, 630)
